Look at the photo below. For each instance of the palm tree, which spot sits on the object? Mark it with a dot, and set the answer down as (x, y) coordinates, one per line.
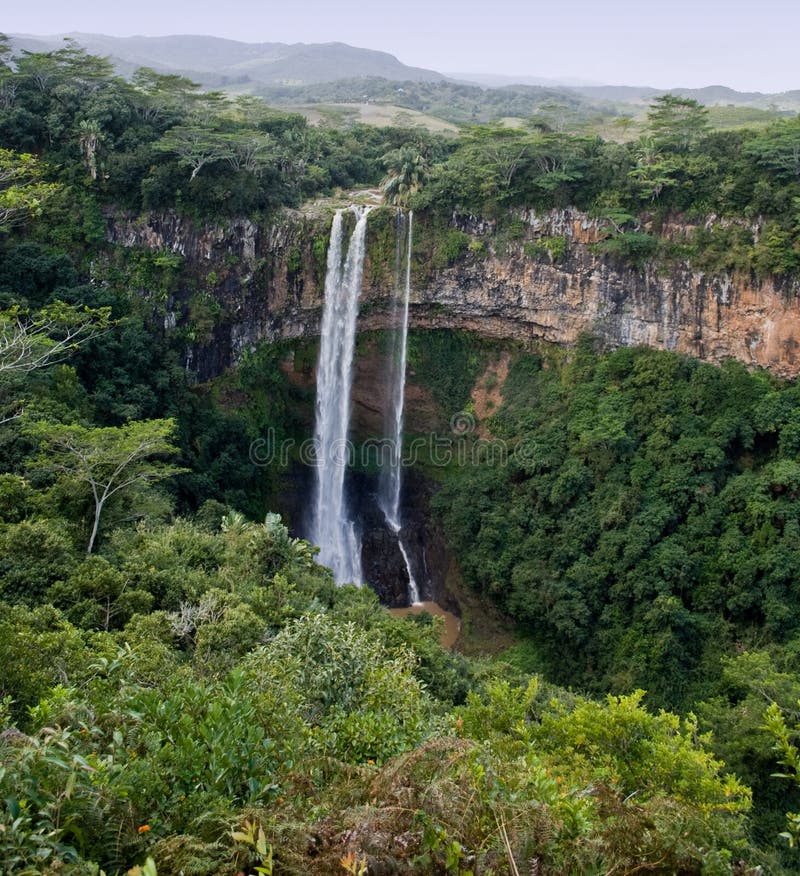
(89, 137)
(407, 170)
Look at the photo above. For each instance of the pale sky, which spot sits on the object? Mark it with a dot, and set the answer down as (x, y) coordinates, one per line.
(750, 46)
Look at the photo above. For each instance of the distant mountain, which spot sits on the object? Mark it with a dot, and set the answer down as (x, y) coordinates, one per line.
(279, 68)
(215, 61)
(598, 94)
(711, 95)
(496, 80)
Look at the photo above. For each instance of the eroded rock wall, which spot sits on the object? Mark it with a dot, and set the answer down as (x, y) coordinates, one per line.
(269, 281)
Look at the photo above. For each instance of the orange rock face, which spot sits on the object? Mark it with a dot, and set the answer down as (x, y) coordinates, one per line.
(269, 289)
(712, 318)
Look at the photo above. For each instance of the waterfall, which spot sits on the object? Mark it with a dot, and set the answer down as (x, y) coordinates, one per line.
(332, 529)
(391, 475)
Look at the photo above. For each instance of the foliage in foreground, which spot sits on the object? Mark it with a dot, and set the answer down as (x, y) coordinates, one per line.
(197, 693)
(206, 698)
(187, 728)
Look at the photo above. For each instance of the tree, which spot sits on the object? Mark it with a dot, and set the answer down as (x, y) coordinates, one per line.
(34, 554)
(196, 146)
(406, 173)
(89, 136)
(503, 150)
(778, 150)
(22, 193)
(8, 82)
(29, 342)
(654, 171)
(677, 123)
(751, 682)
(32, 341)
(551, 117)
(785, 736)
(99, 596)
(265, 547)
(560, 161)
(5, 50)
(249, 150)
(70, 67)
(107, 460)
(163, 95)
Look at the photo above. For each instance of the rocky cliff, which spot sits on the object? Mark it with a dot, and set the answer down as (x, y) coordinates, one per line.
(269, 283)
(546, 282)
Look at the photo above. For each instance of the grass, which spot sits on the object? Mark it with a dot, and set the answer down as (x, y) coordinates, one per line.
(343, 115)
(730, 117)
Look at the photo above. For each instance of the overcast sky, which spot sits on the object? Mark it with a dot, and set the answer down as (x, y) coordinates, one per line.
(748, 46)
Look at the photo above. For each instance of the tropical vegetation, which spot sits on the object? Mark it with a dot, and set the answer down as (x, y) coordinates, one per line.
(182, 687)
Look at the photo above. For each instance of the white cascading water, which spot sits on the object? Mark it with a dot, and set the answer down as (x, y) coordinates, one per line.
(392, 474)
(332, 529)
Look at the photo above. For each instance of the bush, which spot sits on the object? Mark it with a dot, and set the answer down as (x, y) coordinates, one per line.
(450, 247)
(358, 702)
(554, 248)
(633, 247)
(33, 555)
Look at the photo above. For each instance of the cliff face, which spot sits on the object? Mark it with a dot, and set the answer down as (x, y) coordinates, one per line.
(267, 284)
(270, 281)
(710, 317)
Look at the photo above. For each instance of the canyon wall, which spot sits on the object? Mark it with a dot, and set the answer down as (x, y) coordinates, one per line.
(241, 284)
(269, 283)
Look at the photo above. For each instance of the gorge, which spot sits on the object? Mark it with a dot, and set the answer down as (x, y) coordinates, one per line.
(270, 283)
(565, 392)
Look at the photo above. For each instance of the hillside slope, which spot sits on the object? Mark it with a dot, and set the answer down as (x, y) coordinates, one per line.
(211, 58)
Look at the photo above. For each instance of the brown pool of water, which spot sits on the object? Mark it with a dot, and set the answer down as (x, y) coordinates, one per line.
(452, 625)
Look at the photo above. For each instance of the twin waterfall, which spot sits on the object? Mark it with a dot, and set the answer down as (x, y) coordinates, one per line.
(333, 527)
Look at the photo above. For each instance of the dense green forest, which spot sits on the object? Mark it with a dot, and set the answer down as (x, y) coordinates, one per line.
(184, 690)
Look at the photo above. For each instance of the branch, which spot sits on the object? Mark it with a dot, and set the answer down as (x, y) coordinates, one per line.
(27, 344)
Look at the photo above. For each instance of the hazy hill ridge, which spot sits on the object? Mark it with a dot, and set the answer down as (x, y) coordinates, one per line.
(218, 62)
(204, 56)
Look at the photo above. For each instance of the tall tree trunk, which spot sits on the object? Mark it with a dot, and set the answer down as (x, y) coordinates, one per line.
(98, 507)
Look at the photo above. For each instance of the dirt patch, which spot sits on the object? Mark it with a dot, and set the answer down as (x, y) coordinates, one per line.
(487, 396)
(485, 631)
(452, 625)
